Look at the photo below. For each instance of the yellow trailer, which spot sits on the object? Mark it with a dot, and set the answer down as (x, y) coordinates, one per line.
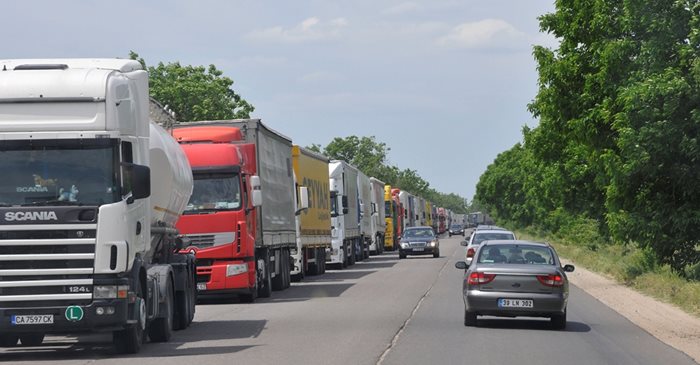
(313, 223)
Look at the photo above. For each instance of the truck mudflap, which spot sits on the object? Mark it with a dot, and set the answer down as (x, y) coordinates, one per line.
(100, 315)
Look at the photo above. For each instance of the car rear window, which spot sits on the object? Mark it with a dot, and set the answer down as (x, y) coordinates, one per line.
(516, 254)
(481, 237)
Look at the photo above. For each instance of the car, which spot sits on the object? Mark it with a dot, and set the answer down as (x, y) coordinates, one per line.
(420, 240)
(514, 278)
(479, 236)
(456, 229)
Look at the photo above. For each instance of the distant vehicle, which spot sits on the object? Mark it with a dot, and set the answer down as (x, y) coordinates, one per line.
(513, 279)
(456, 229)
(479, 236)
(419, 241)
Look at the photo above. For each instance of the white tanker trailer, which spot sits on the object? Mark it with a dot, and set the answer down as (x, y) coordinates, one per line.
(90, 194)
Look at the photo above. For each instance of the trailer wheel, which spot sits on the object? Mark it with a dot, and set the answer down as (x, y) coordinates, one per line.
(183, 305)
(162, 328)
(8, 340)
(129, 340)
(265, 283)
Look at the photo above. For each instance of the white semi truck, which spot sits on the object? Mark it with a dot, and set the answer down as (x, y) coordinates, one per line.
(345, 214)
(364, 188)
(378, 216)
(90, 194)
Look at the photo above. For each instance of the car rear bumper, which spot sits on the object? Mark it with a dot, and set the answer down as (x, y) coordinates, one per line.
(486, 303)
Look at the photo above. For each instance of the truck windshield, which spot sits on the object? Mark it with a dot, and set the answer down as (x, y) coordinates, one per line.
(59, 172)
(214, 192)
(334, 204)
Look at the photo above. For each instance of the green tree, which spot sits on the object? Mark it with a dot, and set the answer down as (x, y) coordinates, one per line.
(195, 92)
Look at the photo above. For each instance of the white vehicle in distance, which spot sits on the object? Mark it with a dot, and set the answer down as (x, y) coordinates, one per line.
(481, 235)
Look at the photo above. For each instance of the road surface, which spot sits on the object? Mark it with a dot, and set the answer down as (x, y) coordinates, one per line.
(383, 310)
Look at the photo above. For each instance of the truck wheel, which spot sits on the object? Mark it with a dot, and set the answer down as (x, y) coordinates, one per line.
(8, 340)
(321, 261)
(351, 255)
(265, 283)
(161, 329)
(279, 280)
(183, 305)
(345, 260)
(129, 340)
(32, 339)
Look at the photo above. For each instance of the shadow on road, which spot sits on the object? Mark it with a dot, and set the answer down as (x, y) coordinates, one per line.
(305, 292)
(338, 276)
(530, 324)
(99, 346)
(370, 265)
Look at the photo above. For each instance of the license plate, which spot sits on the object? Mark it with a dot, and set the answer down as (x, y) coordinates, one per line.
(515, 303)
(32, 319)
(419, 249)
(201, 286)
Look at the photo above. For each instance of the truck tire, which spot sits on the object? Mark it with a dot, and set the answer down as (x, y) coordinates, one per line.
(279, 281)
(129, 340)
(265, 283)
(8, 340)
(345, 260)
(31, 339)
(321, 260)
(161, 329)
(184, 304)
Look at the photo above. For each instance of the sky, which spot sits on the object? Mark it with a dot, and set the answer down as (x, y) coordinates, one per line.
(444, 83)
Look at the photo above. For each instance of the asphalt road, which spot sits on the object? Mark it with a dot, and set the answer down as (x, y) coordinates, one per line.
(382, 310)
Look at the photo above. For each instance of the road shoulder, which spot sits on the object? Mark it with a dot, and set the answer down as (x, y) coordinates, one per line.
(664, 321)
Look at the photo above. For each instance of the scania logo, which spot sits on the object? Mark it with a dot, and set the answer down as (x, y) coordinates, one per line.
(30, 216)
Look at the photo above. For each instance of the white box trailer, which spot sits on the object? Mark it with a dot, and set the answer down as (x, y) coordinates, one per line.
(378, 216)
(364, 189)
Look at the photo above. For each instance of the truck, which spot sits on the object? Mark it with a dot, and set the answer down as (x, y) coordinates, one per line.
(314, 233)
(364, 196)
(394, 217)
(90, 195)
(408, 202)
(378, 216)
(240, 220)
(345, 214)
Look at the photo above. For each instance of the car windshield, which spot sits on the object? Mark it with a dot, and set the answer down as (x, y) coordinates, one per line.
(481, 237)
(420, 233)
(65, 172)
(456, 226)
(215, 192)
(516, 254)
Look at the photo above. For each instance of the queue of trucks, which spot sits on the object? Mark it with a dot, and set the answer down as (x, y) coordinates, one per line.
(109, 222)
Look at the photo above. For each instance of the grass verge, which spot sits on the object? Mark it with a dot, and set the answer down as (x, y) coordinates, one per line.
(630, 266)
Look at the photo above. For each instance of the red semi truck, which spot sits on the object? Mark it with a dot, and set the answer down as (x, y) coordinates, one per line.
(240, 220)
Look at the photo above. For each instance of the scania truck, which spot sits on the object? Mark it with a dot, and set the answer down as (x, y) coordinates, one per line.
(90, 193)
(240, 220)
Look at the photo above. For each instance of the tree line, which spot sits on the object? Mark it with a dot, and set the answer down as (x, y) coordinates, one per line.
(616, 150)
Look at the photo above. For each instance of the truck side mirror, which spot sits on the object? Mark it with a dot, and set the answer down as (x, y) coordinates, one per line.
(344, 200)
(138, 178)
(303, 199)
(256, 194)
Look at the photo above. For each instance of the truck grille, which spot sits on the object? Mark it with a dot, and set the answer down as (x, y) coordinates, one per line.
(47, 267)
(203, 240)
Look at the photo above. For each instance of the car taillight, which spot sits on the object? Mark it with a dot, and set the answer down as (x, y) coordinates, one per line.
(477, 278)
(552, 280)
(471, 252)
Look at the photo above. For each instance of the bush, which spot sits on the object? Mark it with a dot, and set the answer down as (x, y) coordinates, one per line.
(638, 262)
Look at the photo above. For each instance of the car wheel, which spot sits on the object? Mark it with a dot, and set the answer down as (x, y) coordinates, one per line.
(558, 321)
(469, 319)
(402, 255)
(436, 254)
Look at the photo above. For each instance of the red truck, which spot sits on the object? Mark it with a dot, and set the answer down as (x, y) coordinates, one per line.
(240, 220)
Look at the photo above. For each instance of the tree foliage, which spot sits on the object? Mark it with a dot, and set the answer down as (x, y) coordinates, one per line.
(370, 156)
(195, 92)
(617, 143)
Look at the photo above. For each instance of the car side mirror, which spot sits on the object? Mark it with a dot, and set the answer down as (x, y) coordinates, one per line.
(461, 265)
(464, 243)
(569, 268)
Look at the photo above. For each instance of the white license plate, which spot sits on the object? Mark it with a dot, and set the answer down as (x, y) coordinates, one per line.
(201, 286)
(32, 319)
(419, 249)
(515, 303)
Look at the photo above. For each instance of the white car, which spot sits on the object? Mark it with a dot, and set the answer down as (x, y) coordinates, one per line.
(481, 235)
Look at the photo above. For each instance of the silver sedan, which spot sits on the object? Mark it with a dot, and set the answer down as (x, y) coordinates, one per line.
(513, 279)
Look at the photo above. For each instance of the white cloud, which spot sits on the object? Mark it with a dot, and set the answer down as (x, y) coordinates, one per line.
(487, 33)
(309, 30)
(402, 8)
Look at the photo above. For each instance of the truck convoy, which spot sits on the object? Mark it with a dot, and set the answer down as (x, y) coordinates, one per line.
(309, 256)
(378, 216)
(345, 214)
(90, 195)
(241, 218)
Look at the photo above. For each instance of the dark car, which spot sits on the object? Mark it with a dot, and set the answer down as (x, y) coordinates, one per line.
(515, 278)
(456, 229)
(419, 241)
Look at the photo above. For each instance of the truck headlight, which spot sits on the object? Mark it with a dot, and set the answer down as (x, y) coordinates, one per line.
(236, 269)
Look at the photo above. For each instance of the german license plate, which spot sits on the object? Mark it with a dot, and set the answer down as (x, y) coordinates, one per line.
(418, 249)
(201, 286)
(32, 319)
(515, 303)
